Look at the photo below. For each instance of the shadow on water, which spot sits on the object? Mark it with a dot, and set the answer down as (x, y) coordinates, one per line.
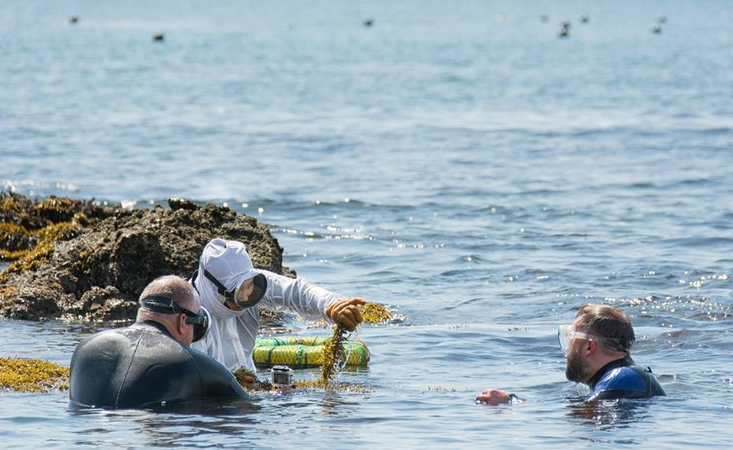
(168, 426)
(264, 416)
(609, 415)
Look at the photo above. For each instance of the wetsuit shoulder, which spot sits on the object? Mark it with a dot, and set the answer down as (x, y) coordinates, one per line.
(626, 382)
(97, 366)
(621, 382)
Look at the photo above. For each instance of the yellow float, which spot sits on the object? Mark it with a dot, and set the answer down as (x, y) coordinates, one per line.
(303, 351)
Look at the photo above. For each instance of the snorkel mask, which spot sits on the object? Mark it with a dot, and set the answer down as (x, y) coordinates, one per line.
(165, 305)
(238, 295)
(227, 263)
(566, 334)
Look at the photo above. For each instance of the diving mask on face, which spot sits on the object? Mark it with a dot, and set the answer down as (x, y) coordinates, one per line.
(239, 294)
(165, 305)
(566, 334)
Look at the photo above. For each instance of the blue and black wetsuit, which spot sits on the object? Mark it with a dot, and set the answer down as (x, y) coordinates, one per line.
(624, 379)
(143, 366)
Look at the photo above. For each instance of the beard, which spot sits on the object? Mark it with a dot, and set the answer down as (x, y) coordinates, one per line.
(574, 366)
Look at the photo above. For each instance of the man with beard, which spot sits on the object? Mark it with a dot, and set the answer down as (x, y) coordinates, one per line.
(597, 347)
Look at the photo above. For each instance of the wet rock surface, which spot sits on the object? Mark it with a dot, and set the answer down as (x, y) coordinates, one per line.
(97, 260)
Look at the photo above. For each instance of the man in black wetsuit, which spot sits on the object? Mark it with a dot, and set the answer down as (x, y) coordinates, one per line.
(597, 347)
(150, 364)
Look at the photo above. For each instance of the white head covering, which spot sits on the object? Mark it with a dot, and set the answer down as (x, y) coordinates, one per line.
(229, 263)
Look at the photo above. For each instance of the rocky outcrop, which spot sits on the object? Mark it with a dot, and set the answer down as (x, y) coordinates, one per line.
(95, 265)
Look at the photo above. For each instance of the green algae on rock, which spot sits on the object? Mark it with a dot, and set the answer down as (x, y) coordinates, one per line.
(22, 220)
(32, 375)
(93, 267)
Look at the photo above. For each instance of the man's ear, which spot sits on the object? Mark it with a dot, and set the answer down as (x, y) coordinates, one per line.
(181, 324)
(591, 347)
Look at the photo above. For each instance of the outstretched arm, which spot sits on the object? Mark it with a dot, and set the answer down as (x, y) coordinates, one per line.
(298, 295)
(310, 301)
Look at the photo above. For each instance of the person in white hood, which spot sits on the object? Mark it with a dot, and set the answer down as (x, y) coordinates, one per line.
(233, 291)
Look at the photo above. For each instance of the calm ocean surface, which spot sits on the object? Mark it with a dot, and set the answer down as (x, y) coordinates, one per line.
(456, 160)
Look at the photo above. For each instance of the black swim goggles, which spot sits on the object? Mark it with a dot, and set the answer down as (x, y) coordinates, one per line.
(165, 305)
(237, 295)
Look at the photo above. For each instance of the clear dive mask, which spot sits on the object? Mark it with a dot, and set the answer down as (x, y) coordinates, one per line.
(566, 334)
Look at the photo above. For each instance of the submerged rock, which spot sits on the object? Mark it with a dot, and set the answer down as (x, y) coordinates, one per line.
(98, 260)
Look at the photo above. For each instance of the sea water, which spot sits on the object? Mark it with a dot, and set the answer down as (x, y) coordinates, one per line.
(459, 161)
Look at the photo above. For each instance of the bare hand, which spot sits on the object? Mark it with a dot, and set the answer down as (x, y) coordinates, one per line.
(493, 397)
(346, 313)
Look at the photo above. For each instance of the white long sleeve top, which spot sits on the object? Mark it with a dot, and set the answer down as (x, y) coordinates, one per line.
(232, 334)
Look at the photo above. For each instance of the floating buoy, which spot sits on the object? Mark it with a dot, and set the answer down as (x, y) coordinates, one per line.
(301, 352)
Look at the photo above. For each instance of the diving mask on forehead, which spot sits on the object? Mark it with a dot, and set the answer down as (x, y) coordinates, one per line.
(165, 305)
(239, 295)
